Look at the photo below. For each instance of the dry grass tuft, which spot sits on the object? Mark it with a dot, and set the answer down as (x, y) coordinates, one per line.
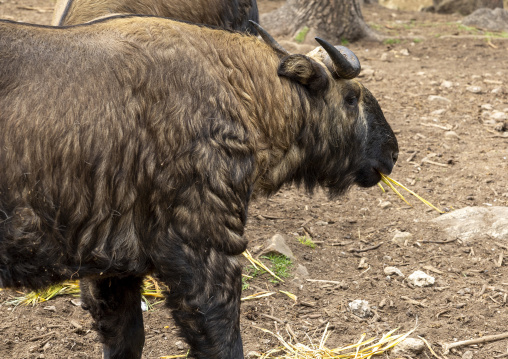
(363, 349)
(151, 288)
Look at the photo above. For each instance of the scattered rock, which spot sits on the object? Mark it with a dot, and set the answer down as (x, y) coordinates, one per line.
(467, 355)
(321, 223)
(404, 52)
(438, 98)
(498, 116)
(402, 238)
(439, 112)
(385, 204)
(498, 91)
(301, 272)
(409, 346)
(367, 72)
(384, 56)
(360, 308)
(76, 302)
(50, 308)
(447, 84)
(472, 223)
(253, 354)
(501, 127)
(277, 244)
(463, 7)
(144, 307)
(392, 271)
(179, 345)
(451, 135)
(421, 279)
(487, 107)
(488, 19)
(474, 89)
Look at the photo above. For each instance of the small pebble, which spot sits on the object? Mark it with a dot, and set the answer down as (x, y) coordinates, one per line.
(438, 98)
(393, 270)
(451, 135)
(438, 112)
(360, 308)
(474, 89)
(385, 204)
(499, 116)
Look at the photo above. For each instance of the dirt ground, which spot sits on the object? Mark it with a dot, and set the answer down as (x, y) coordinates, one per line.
(455, 157)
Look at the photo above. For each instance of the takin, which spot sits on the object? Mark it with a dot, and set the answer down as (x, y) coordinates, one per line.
(132, 146)
(226, 14)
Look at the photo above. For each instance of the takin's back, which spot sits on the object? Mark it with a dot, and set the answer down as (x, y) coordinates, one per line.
(227, 14)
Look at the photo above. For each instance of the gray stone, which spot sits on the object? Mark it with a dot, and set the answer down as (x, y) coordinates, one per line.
(277, 244)
(180, 345)
(446, 84)
(488, 19)
(472, 223)
(409, 346)
(467, 355)
(463, 7)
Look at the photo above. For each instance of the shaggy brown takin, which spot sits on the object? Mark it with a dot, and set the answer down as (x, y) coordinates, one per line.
(227, 14)
(132, 145)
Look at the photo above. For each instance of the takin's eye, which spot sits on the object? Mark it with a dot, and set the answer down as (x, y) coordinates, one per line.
(351, 101)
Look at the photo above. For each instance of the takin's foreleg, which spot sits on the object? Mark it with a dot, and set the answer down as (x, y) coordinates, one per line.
(205, 290)
(115, 306)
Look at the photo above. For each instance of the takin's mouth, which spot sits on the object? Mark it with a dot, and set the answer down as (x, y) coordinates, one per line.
(370, 174)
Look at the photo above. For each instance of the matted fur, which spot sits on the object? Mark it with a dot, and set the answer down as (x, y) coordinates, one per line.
(132, 145)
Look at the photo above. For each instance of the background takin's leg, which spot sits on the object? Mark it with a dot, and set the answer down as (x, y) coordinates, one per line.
(205, 289)
(115, 305)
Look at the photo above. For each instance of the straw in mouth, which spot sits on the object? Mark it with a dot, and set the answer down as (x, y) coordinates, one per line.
(391, 182)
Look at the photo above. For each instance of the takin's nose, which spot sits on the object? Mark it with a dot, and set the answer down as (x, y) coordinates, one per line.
(395, 156)
(386, 164)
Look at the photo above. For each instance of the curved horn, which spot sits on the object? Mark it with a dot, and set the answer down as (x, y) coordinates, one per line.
(340, 60)
(269, 39)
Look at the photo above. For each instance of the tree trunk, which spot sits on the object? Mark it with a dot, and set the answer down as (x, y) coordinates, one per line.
(333, 20)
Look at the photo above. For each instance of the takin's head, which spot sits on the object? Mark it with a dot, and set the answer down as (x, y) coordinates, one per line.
(359, 144)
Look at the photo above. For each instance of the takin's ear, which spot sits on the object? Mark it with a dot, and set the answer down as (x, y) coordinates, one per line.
(304, 70)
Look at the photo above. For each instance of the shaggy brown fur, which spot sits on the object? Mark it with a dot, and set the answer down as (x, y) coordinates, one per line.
(227, 14)
(141, 155)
